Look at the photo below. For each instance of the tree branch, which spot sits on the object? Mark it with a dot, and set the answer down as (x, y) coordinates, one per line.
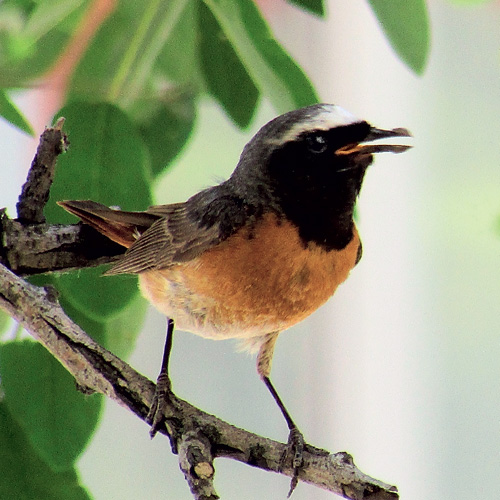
(198, 436)
(41, 248)
(36, 189)
(30, 246)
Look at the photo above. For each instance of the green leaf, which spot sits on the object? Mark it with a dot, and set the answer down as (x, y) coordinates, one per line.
(122, 331)
(118, 334)
(118, 64)
(153, 38)
(4, 321)
(96, 70)
(178, 59)
(165, 128)
(224, 71)
(107, 162)
(406, 25)
(10, 112)
(41, 395)
(99, 297)
(314, 6)
(25, 476)
(26, 61)
(29, 49)
(47, 15)
(12, 43)
(272, 70)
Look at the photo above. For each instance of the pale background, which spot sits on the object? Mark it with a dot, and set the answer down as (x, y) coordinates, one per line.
(402, 368)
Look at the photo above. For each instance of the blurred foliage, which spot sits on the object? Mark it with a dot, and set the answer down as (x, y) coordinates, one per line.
(130, 108)
(109, 162)
(314, 6)
(4, 322)
(147, 53)
(408, 31)
(25, 475)
(55, 419)
(10, 112)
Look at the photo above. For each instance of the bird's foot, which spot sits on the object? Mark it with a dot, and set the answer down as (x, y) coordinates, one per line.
(294, 452)
(162, 400)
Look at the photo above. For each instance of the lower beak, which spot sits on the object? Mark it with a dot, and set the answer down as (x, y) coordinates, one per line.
(367, 147)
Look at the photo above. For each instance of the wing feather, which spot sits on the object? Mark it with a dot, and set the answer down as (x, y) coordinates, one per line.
(173, 238)
(165, 235)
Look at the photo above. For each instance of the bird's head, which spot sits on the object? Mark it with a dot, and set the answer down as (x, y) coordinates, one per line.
(310, 163)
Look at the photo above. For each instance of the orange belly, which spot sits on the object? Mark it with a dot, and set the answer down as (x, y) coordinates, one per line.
(258, 281)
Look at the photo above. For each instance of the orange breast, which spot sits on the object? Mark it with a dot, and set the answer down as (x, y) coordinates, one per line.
(258, 281)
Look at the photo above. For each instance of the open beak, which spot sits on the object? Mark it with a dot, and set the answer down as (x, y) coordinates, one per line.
(367, 147)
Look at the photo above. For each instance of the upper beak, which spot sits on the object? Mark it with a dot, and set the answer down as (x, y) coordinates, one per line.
(366, 147)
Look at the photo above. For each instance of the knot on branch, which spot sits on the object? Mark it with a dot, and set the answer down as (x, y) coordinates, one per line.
(196, 461)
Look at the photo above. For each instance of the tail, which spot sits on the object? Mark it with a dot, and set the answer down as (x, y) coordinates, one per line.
(121, 227)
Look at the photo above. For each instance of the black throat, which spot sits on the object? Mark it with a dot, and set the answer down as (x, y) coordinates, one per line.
(302, 181)
(318, 194)
(324, 214)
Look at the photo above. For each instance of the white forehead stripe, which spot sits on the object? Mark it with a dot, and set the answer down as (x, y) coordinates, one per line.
(329, 116)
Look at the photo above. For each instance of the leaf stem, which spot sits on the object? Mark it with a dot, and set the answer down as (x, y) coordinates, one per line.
(154, 47)
(133, 49)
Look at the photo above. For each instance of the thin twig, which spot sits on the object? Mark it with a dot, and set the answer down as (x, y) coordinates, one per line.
(36, 189)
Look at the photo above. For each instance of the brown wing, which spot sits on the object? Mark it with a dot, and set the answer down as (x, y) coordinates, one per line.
(119, 226)
(173, 238)
(155, 239)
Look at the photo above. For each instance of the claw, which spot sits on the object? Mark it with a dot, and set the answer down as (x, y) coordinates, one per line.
(160, 403)
(295, 452)
(296, 443)
(293, 484)
(154, 418)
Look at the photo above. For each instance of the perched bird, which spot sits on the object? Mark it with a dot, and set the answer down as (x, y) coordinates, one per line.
(261, 251)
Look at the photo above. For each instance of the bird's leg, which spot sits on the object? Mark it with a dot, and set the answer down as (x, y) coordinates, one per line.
(295, 437)
(163, 386)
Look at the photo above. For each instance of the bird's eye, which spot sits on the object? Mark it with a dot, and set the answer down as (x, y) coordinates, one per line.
(316, 143)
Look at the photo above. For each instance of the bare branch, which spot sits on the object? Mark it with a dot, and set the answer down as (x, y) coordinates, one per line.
(198, 436)
(196, 461)
(28, 246)
(40, 248)
(35, 192)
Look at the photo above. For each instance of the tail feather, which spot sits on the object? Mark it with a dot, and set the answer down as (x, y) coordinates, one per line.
(119, 226)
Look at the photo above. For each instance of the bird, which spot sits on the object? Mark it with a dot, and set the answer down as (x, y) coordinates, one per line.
(259, 252)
